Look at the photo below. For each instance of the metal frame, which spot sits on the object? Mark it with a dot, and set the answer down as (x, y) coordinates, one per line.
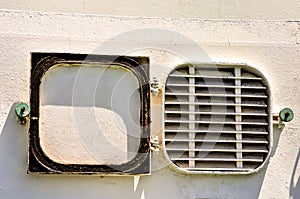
(40, 163)
(270, 126)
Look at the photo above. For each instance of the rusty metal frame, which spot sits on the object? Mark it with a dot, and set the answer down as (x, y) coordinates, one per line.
(39, 162)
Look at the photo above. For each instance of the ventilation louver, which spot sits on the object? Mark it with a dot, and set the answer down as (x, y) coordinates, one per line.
(216, 118)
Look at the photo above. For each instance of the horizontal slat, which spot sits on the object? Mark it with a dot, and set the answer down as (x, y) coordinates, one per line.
(219, 150)
(215, 113)
(214, 95)
(216, 104)
(214, 77)
(214, 122)
(216, 86)
(215, 141)
(216, 132)
(217, 169)
(218, 159)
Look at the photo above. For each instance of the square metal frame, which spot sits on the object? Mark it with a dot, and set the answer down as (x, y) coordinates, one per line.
(40, 163)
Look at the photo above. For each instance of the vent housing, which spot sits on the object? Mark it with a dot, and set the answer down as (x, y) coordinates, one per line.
(217, 119)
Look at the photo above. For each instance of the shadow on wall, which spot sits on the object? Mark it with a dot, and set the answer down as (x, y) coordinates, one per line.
(276, 137)
(13, 154)
(295, 187)
(163, 183)
(15, 183)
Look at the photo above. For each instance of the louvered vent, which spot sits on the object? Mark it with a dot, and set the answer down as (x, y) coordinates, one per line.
(216, 119)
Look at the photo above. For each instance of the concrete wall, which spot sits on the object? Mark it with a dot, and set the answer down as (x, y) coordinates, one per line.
(271, 46)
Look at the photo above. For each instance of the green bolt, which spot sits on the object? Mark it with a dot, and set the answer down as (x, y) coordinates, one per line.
(286, 114)
(22, 111)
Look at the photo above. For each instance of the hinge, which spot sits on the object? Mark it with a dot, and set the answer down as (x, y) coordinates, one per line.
(154, 144)
(154, 86)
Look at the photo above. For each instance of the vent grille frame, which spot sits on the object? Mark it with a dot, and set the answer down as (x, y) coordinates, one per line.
(188, 154)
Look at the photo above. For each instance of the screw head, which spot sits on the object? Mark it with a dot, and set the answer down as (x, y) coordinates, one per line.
(22, 110)
(286, 114)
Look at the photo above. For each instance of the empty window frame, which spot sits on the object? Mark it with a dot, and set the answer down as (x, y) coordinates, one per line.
(47, 153)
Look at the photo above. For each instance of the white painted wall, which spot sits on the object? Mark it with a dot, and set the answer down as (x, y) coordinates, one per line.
(201, 9)
(271, 46)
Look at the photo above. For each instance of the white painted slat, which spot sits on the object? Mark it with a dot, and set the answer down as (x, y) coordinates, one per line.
(192, 126)
(223, 141)
(218, 159)
(216, 86)
(238, 118)
(215, 132)
(218, 169)
(215, 77)
(215, 113)
(215, 95)
(220, 150)
(217, 104)
(216, 122)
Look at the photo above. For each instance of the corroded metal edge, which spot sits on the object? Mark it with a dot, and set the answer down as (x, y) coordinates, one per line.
(40, 163)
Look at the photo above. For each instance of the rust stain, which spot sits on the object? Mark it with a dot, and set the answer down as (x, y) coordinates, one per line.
(157, 102)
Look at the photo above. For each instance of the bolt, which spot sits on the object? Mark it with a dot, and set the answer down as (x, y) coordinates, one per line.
(23, 109)
(286, 115)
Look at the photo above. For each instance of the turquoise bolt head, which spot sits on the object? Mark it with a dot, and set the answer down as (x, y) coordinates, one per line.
(22, 111)
(286, 114)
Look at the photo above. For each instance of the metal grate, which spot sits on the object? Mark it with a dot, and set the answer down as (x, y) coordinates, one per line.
(216, 118)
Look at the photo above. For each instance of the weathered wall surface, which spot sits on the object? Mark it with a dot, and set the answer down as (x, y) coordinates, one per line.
(213, 9)
(271, 46)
